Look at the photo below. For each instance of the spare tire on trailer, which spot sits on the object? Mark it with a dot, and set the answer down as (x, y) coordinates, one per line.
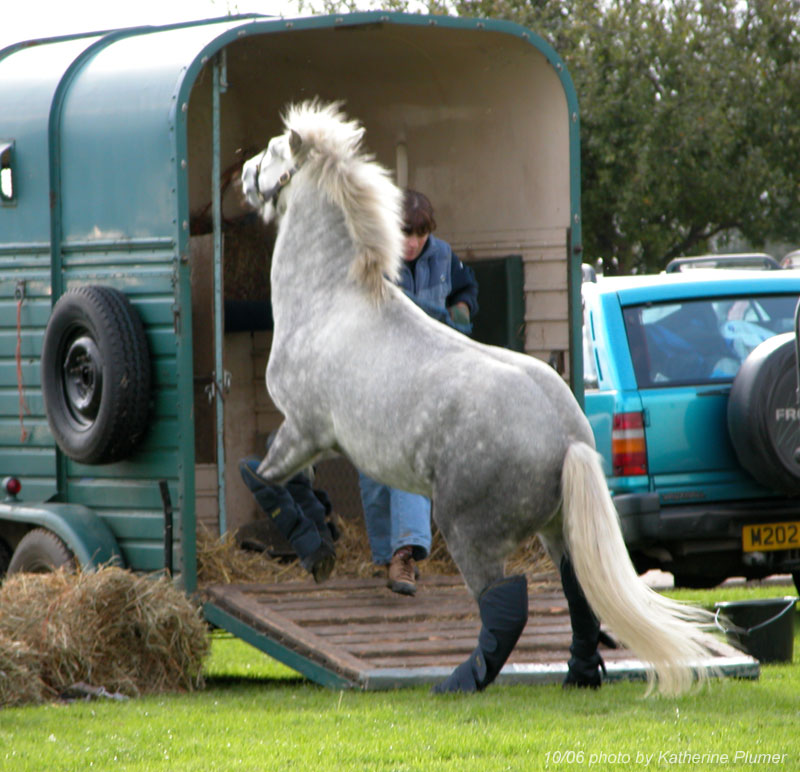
(764, 415)
(96, 375)
(39, 552)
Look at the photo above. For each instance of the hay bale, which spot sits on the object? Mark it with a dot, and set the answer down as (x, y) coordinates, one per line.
(130, 634)
(20, 675)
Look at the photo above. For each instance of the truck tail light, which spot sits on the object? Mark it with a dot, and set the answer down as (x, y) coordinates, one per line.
(628, 448)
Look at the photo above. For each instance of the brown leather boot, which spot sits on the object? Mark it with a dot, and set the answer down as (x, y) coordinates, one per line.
(402, 572)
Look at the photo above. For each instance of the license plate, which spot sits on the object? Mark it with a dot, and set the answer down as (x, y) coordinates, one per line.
(771, 536)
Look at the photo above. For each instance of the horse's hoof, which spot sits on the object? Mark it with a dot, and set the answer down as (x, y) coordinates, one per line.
(448, 687)
(571, 682)
(323, 562)
(585, 673)
(461, 680)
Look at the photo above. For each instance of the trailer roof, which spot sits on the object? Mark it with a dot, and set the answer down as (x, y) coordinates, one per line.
(125, 90)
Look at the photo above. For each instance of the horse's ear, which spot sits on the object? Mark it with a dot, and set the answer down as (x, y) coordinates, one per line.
(295, 142)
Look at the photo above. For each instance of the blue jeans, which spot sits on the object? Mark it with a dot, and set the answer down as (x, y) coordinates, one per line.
(394, 519)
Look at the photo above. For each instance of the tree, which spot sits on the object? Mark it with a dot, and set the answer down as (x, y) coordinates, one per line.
(690, 118)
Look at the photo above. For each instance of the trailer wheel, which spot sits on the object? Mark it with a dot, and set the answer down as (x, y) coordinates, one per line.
(96, 375)
(39, 552)
(5, 558)
(697, 581)
(763, 416)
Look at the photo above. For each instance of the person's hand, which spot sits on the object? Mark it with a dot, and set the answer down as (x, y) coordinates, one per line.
(459, 313)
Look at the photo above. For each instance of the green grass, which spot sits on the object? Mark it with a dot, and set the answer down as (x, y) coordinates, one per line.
(256, 714)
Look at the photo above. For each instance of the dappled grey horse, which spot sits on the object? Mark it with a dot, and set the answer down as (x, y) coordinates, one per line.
(357, 368)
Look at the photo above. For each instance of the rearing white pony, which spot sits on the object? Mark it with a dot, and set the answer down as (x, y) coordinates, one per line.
(357, 368)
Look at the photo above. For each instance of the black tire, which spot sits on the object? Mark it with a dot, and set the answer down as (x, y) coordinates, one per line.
(764, 417)
(796, 578)
(96, 375)
(697, 581)
(39, 552)
(5, 558)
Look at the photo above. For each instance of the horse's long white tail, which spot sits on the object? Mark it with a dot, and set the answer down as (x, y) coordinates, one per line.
(662, 632)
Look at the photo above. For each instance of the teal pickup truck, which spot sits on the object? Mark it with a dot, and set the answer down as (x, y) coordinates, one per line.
(690, 385)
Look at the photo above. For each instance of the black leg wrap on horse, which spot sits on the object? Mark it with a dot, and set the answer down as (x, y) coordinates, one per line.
(278, 504)
(585, 664)
(504, 612)
(310, 505)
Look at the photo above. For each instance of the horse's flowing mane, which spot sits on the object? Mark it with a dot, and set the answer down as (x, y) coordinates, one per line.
(331, 155)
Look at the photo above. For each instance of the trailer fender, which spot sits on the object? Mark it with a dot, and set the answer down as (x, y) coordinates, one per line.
(82, 530)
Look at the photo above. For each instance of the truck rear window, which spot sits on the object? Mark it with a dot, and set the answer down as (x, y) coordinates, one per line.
(702, 341)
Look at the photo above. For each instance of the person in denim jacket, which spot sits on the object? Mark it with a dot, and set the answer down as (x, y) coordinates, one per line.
(431, 275)
(399, 523)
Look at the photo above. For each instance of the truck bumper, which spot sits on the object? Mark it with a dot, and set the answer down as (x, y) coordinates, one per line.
(644, 520)
(710, 527)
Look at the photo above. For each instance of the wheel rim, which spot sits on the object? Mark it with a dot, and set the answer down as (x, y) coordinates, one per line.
(783, 433)
(82, 374)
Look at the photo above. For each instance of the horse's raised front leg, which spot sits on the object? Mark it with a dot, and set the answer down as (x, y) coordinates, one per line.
(502, 601)
(289, 452)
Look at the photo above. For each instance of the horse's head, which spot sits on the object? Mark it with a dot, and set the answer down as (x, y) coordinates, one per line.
(326, 147)
(265, 175)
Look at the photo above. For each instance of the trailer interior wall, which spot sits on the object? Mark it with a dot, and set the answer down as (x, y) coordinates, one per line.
(448, 105)
(457, 102)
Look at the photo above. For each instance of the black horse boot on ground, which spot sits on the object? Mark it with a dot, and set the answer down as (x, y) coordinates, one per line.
(316, 556)
(585, 665)
(504, 612)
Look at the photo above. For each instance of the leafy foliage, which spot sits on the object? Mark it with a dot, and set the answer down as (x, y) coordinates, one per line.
(690, 116)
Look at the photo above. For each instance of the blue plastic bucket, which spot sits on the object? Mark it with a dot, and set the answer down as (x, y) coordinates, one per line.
(764, 627)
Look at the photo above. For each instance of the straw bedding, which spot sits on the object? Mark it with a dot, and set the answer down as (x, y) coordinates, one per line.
(221, 561)
(129, 634)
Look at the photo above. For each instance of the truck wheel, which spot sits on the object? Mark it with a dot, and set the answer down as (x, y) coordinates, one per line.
(96, 375)
(39, 552)
(764, 416)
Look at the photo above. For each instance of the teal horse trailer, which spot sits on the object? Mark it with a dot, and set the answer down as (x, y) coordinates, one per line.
(134, 284)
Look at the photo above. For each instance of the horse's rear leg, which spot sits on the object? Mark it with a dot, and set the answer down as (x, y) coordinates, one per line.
(504, 611)
(585, 663)
(502, 601)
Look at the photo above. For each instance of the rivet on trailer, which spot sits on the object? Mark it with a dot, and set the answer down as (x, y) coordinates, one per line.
(134, 288)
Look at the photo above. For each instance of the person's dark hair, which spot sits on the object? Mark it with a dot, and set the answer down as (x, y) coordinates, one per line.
(417, 213)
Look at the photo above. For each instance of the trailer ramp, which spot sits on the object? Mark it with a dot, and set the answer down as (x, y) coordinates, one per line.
(355, 633)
